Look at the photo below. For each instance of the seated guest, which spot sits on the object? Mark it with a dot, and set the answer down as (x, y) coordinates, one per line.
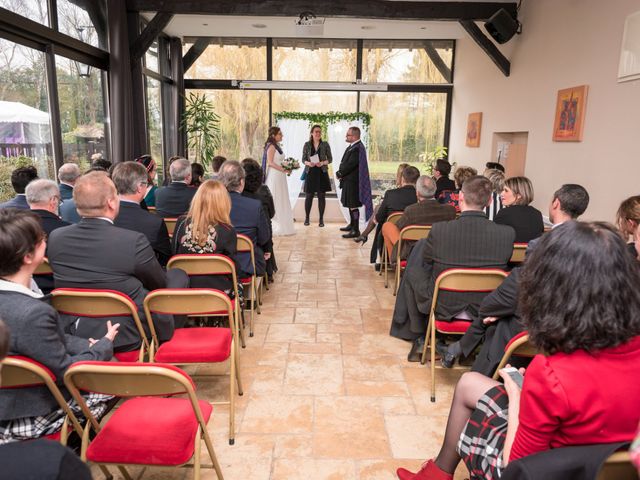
(497, 180)
(197, 175)
(248, 218)
(426, 212)
(583, 389)
(207, 228)
(36, 332)
(628, 219)
(98, 161)
(131, 181)
(152, 170)
(494, 166)
(498, 320)
(255, 188)
(441, 173)
(517, 213)
(20, 178)
(67, 176)
(471, 241)
(68, 210)
(43, 197)
(216, 163)
(174, 199)
(97, 254)
(450, 197)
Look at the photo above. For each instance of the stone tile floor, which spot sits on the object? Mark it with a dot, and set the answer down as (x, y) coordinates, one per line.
(329, 394)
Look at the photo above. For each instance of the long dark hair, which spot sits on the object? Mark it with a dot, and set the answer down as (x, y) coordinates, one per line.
(311, 133)
(579, 289)
(271, 139)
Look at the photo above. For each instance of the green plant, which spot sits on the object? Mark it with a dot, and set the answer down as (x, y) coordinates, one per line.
(202, 126)
(431, 157)
(8, 165)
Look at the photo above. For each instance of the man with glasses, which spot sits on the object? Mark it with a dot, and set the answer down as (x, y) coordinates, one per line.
(43, 197)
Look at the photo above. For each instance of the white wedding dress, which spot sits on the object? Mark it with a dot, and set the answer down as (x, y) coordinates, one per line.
(282, 222)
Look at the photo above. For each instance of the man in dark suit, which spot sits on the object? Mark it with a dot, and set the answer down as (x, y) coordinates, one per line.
(247, 216)
(67, 176)
(349, 176)
(441, 173)
(20, 178)
(43, 198)
(130, 179)
(174, 199)
(96, 254)
(472, 241)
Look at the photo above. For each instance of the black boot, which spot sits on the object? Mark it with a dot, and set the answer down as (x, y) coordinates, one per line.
(355, 225)
(349, 227)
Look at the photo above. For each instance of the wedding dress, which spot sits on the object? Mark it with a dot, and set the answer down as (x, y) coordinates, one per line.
(282, 222)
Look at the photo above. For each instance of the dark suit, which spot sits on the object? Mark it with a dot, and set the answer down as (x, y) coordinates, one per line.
(66, 191)
(41, 460)
(174, 199)
(19, 201)
(472, 241)
(68, 211)
(525, 220)
(248, 218)
(133, 217)
(394, 200)
(50, 221)
(96, 254)
(444, 183)
(349, 175)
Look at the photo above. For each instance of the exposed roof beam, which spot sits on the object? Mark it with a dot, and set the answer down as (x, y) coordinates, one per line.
(194, 52)
(375, 9)
(435, 57)
(488, 46)
(149, 34)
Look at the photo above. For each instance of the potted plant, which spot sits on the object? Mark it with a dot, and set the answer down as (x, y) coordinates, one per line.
(202, 126)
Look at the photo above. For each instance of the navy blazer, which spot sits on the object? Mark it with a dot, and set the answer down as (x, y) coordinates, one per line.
(19, 201)
(66, 191)
(68, 211)
(248, 218)
(174, 199)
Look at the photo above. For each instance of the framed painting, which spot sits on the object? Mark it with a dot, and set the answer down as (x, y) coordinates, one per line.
(570, 111)
(474, 125)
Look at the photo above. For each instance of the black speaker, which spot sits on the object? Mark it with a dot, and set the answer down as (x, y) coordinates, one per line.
(502, 26)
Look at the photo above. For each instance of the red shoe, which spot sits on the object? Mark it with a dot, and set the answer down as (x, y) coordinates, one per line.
(429, 471)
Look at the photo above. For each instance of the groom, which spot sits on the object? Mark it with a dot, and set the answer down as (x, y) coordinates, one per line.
(354, 182)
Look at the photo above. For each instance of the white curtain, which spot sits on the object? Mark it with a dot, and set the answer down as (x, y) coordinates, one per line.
(295, 133)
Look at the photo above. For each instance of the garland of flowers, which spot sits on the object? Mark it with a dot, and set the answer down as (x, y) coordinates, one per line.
(325, 119)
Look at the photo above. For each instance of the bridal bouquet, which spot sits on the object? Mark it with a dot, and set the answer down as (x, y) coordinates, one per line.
(290, 164)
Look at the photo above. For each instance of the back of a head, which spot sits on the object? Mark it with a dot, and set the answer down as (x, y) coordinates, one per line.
(180, 169)
(216, 163)
(127, 177)
(21, 177)
(425, 187)
(102, 163)
(628, 215)
(253, 175)
(91, 193)
(40, 191)
(578, 289)
(197, 170)
(495, 166)
(210, 206)
(443, 167)
(231, 175)
(522, 188)
(573, 198)
(496, 177)
(410, 175)
(68, 173)
(477, 192)
(462, 174)
(20, 233)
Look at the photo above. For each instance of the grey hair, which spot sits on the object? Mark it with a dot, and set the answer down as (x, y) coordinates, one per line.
(127, 176)
(41, 191)
(68, 173)
(180, 169)
(231, 175)
(425, 187)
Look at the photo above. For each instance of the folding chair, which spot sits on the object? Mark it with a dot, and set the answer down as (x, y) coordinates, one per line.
(95, 303)
(211, 264)
(252, 283)
(459, 280)
(519, 252)
(518, 346)
(408, 233)
(197, 346)
(147, 429)
(171, 225)
(393, 218)
(151, 209)
(618, 467)
(44, 268)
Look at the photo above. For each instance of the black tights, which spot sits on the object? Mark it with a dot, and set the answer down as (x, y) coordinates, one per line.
(308, 202)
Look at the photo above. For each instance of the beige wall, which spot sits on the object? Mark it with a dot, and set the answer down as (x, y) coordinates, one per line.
(564, 43)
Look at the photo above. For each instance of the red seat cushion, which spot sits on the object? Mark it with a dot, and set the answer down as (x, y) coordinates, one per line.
(127, 356)
(245, 281)
(403, 263)
(196, 345)
(452, 326)
(54, 436)
(149, 431)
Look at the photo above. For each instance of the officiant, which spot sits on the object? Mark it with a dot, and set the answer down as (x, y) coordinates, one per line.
(316, 156)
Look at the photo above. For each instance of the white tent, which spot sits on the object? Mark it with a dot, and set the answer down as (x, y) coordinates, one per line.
(22, 124)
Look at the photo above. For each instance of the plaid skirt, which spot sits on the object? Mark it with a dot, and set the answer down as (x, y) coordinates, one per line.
(482, 440)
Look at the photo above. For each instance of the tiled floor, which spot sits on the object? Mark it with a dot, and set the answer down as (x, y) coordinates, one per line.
(328, 393)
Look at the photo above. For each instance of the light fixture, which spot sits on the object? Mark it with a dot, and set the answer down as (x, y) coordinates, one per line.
(326, 86)
(83, 69)
(308, 25)
(367, 27)
(258, 25)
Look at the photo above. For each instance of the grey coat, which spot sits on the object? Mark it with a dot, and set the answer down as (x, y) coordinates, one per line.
(37, 333)
(324, 153)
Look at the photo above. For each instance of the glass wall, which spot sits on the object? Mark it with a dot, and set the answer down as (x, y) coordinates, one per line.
(314, 102)
(314, 60)
(154, 120)
(36, 10)
(230, 59)
(85, 20)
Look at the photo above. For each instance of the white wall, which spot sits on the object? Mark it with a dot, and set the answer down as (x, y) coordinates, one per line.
(564, 43)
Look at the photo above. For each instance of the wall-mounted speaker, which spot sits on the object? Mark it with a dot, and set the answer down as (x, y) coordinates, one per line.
(502, 26)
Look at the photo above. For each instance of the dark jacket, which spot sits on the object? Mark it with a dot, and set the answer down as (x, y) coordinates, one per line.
(133, 217)
(248, 218)
(525, 220)
(396, 200)
(19, 201)
(324, 154)
(37, 333)
(66, 191)
(50, 221)
(68, 211)
(349, 176)
(174, 199)
(444, 183)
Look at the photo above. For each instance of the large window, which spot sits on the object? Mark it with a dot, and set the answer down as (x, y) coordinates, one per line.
(85, 20)
(230, 59)
(314, 102)
(154, 120)
(36, 10)
(314, 60)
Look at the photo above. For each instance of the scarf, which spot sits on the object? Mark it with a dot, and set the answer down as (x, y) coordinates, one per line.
(264, 158)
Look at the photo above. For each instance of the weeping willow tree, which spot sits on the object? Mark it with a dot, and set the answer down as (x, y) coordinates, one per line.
(202, 125)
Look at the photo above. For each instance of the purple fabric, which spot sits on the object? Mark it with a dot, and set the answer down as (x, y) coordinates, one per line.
(364, 182)
(264, 158)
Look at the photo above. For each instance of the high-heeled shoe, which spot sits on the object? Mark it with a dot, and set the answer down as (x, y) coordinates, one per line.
(429, 471)
(361, 239)
(306, 222)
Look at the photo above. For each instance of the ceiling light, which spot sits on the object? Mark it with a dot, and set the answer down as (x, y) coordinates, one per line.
(205, 24)
(258, 25)
(368, 27)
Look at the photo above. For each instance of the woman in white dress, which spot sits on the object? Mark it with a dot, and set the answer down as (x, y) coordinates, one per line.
(276, 180)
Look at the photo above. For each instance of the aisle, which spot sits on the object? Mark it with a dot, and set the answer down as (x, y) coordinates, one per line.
(328, 393)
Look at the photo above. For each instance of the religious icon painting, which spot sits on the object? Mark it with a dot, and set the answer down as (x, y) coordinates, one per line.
(474, 124)
(570, 111)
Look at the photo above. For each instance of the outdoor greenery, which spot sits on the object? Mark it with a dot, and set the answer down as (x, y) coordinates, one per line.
(202, 126)
(8, 165)
(324, 119)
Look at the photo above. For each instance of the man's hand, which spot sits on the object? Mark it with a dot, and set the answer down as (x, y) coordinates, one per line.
(112, 330)
(488, 320)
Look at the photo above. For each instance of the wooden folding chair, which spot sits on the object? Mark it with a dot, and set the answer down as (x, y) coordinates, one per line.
(408, 234)
(147, 429)
(518, 346)
(197, 346)
(44, 268)
(459, 280)
(618, 467)
(171, 225)
(151, 209)
(195, 264)
(519, 252)
(96, 303)
(393, 218)
(253, 283)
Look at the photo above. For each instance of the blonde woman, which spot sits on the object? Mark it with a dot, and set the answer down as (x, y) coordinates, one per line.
(516, 196)
(206, 228)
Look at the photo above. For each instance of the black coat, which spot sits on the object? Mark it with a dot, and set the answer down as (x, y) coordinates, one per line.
(174, 199)
(248, 218)
(50, 222)
(349, 176)
(42, 460)
(524, 219)
(442, 184)
(396, 200)
(133, 217)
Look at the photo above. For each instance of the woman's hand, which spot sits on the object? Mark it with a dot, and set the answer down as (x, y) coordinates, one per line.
(308, 164)
(112, 330)
(513, 390)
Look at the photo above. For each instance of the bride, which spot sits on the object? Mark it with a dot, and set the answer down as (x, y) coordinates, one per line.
(282, 222)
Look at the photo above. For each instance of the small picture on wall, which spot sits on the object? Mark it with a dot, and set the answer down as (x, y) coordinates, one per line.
(474, 124)
(570, 109)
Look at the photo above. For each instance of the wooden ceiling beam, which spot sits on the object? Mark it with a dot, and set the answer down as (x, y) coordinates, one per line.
(194, 52)
(149, 34)
(437, 60)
